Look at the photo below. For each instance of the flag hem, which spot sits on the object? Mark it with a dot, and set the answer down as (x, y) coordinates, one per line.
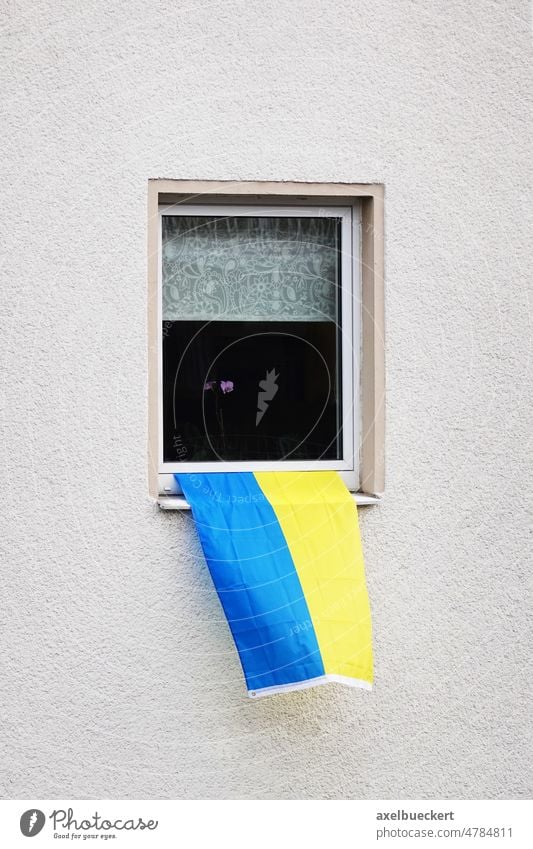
(310, 682)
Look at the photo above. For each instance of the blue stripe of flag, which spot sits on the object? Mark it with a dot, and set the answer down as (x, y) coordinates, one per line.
(255, 578)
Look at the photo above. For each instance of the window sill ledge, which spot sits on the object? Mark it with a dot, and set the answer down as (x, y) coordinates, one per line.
(178, 502)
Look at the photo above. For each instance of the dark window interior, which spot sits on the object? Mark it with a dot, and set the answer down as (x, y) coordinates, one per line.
(202, 422)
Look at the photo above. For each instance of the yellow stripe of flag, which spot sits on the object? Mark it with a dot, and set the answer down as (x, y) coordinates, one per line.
(319, 520)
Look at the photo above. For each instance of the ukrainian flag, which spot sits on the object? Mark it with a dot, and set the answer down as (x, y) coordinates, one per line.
(284, 553)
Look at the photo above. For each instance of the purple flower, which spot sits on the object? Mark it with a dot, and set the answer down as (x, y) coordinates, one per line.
(225, 386)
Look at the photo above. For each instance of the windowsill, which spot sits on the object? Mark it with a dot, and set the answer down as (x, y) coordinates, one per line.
(178, 502)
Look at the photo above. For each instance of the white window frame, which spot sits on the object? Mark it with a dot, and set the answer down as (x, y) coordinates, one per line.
(350, 274)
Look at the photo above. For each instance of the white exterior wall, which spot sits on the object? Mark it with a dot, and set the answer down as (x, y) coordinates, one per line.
(118, 675)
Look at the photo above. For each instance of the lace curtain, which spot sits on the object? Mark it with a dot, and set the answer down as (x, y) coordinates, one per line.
(250, 269)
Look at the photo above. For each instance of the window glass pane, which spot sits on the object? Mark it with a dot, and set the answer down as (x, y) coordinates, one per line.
(264, 269)
(251, 338)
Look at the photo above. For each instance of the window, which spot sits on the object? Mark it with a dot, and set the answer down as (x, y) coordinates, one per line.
(258, 324)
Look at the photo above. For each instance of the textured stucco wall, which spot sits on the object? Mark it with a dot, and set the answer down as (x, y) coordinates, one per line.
(118, 678)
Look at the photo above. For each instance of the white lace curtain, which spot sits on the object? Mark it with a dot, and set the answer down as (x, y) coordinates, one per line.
(250, 269)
